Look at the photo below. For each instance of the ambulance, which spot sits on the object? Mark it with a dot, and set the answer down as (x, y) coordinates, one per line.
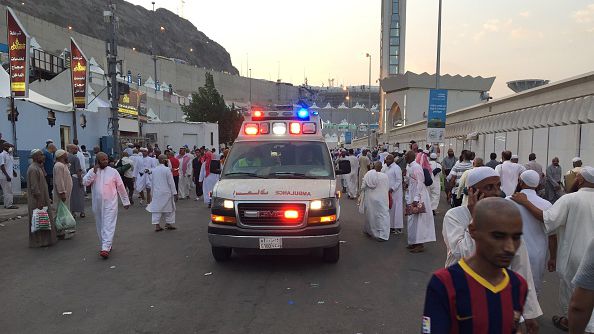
(278, 187)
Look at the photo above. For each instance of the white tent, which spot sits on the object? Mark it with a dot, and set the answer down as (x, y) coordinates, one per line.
(34, 97)
(342, 106)
(328, 106)
(314, 106)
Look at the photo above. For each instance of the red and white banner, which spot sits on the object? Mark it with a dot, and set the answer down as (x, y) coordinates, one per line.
(18, 55)
(79, 76)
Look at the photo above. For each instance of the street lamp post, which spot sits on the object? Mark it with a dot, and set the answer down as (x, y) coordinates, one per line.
(153, 49)
(369, 104)
(437, 67)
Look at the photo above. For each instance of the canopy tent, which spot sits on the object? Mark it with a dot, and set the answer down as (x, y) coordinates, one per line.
(34, 97)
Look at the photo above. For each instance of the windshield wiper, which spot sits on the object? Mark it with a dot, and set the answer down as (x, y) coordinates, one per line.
(296, 175)
(245, 174)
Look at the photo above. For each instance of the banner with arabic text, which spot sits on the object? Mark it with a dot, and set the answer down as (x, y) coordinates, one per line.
(79, 76)
(18, 55)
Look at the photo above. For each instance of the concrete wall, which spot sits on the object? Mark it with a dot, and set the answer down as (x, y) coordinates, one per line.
(178, 134)
(182, 77)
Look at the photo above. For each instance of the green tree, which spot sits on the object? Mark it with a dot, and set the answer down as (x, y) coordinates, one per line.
(208, 105)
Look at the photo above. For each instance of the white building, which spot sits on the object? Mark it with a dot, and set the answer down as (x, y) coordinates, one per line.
(178, 134)
(554, 120)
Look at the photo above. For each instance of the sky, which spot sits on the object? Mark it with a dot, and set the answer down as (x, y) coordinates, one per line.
(328, 39)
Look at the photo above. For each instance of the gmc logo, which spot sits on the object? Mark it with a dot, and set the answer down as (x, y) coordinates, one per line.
(271, 214)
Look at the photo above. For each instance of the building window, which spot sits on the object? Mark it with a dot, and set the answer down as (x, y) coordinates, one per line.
(394, 41)
(393, 69)
(394, 50)
(393, 60)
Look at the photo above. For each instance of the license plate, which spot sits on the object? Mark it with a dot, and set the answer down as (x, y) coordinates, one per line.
(271, 243)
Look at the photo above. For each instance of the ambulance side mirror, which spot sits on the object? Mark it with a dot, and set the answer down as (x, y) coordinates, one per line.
(344, 167)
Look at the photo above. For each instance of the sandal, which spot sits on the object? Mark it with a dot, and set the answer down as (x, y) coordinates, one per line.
(104, 254)
(418, 249)
(159, 229)
(170, 227)
(561, 322)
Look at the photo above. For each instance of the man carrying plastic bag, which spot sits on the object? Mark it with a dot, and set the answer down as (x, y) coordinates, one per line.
(65, 222)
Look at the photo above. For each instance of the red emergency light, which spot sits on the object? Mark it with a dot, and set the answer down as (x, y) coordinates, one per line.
(295, 128)
(250, 129)
(291, 214)
(257, 114)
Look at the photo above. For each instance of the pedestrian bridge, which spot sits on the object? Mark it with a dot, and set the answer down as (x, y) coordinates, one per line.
(554, 120)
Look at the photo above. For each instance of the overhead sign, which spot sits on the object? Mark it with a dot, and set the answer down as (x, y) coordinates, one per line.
(79, 76)
(436, 116)
(18, 55)
(348, 137)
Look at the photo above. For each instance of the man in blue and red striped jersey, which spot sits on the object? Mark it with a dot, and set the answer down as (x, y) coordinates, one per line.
(479, 294)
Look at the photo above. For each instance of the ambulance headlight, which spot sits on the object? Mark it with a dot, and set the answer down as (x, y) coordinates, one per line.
(279, 128)
(322, 204)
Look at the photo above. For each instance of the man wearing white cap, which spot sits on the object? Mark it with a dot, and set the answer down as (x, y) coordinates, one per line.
(484, 182)
(535, 236)
(572, 173)
(395, 193)
(515, 158)
(129, 149)
(572, 218)
(435, 188)
(509, 172)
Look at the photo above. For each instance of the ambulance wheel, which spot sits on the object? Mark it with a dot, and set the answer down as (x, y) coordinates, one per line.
(221, 254)
(332, 254)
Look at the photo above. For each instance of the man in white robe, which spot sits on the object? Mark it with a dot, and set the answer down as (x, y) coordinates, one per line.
(485, 182)
(164, 196)
(572, 218)
(395, 183)
(106, 185)
(509, 172)
(534, 234)
(420, 227)
(375, 203)
(352, 178)
(208, 177)
(185, 173)
(142, 171)
(435, 188)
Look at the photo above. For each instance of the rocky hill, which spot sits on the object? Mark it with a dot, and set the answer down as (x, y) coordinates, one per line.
(138, 26)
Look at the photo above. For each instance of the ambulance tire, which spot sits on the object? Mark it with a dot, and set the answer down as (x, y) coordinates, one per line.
(332, 254)
(221, 254)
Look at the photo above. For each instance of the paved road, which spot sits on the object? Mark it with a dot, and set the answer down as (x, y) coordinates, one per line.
(167, 282)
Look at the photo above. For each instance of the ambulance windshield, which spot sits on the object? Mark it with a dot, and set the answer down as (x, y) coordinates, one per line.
(279, 160)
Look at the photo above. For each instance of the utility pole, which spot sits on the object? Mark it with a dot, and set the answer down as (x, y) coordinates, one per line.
(250, 70)
(438, 47)
(112, 54)
(154, 54)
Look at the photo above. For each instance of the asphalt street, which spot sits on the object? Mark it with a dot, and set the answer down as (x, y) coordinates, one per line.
(168, 282)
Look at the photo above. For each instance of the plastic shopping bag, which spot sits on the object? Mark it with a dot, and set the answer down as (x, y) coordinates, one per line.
(40, 220)
(64, 219)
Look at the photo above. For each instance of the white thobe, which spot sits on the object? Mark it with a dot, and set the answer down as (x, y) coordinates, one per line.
(509, 172)
(421, 227)
(208, 182)
(7, 161)
(460, 245)
(572, 219)
(382, 156)
(185, 178)
(143, 181)
(352, 179)
(163, 203)
(535, 237)
(395, 185)
(82, 160)
(435, 188)
(106, 185)
(375, 205)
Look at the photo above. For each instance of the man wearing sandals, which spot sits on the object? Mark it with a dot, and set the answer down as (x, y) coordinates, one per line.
(164, 196)
(106, 186)
(571, 218)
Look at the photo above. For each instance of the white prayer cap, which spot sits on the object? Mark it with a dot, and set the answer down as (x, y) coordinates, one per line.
(588, 173)
(478, 174)
(60, 153)
(130, 145)
(49, 141)
(433, 156)
(576, 159)
(34, 151)
(530, 178)
(515, 156)
(426, 151)
(144, 149)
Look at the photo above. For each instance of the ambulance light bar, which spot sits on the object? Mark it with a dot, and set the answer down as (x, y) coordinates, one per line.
(279, 128)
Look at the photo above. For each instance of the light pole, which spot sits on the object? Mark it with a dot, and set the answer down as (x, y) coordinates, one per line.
(153, 48)
(250, 76)
(112, 54)
(368, 55)
(438, 47)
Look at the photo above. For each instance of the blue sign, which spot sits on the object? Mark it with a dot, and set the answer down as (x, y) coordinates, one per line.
(436, 116)
(348, 137)
(139, 79)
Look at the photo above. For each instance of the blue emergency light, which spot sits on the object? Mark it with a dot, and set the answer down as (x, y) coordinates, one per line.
(303, 113)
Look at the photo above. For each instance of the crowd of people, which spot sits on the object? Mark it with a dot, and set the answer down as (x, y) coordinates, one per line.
(158, 179)
(508, 224)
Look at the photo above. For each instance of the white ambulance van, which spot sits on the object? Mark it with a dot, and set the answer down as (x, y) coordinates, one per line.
(278, 187)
